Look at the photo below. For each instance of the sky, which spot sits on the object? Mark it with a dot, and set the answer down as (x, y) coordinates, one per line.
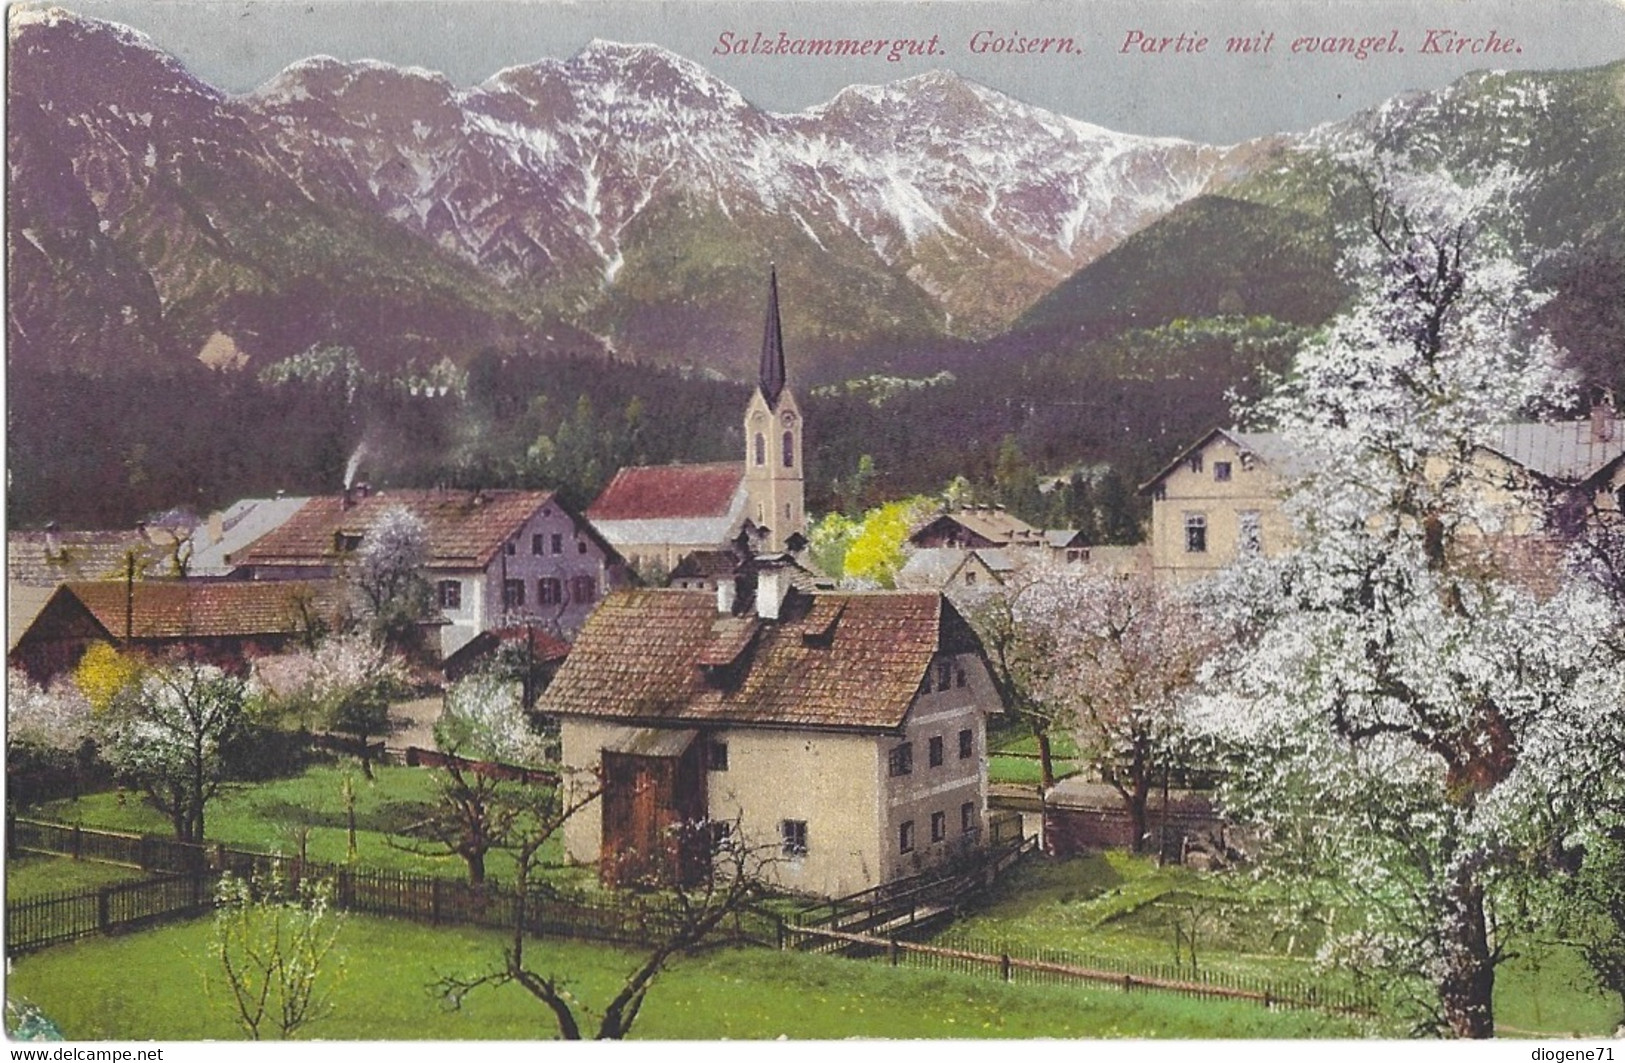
(1137, 67)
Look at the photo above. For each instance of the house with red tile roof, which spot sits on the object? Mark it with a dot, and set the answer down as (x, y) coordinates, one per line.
(843, 732)
(657, 515)
(223, 623)
(496, 558)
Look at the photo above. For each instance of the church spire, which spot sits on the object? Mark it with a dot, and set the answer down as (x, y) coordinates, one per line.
(772, 370)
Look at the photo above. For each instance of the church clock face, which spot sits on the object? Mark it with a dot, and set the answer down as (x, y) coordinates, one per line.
(789, 419)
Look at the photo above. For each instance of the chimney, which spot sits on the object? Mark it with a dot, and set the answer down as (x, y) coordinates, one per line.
(1604, 419)
(727, 592)
(53, 541)
(772, 584)
(217, 526)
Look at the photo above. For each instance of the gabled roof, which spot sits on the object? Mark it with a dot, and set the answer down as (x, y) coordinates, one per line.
(990, 522)
(241, 524)
(46, 558)
(465, 528)
(667, 492)
(846, 661)
(1273, 448)
(179, 609)
(1566, 451)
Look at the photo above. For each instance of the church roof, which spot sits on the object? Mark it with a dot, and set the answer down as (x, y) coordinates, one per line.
(772, 376)
(666, 492)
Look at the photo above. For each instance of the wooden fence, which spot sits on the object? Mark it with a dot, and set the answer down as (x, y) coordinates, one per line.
(429, 758)
(1047, 966)
(193, 872)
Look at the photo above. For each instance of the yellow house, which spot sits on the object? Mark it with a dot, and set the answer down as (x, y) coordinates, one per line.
(842, 734)
(1220, 498)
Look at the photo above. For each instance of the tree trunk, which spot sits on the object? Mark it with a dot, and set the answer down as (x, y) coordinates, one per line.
(476, 867)
(1046, 765)
(1467, 986)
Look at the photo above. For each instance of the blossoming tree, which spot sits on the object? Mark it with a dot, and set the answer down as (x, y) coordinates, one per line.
(1416, 728)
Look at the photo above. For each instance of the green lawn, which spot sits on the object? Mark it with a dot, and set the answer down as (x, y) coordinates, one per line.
(1020, 740)
(266, 816)
(30, 876)
(757, 993)
(1024, 771)
(1117, 907)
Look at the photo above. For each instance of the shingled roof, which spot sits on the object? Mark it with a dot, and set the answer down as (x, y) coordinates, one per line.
(844, 661)
(46, 558)
(465, 528)
(667, 492)
(180, 609)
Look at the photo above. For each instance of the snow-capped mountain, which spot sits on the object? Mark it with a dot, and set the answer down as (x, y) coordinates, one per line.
(628, 198)
(625, 188)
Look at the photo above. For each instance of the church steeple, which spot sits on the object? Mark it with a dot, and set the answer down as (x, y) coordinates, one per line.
(774, 488)
(772, 368)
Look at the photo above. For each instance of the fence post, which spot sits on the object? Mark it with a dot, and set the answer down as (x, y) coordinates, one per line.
(891, 949)
(779, 925)
(1128, 982)
(1004, 965)
(434, 901)
(103, 915)
(78, 842)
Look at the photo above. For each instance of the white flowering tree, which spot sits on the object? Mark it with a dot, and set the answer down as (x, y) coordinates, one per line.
(484, 720)
(56, 718)
(388, 571)
(1415, 729)
(165, 733)
(344, 684)
(274, 946)
(1130, 652)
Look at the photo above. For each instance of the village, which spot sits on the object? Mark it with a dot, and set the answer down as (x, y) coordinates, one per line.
(517, 535)
(664, 695)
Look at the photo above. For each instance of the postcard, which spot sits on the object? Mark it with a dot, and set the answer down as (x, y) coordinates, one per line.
(723, 520)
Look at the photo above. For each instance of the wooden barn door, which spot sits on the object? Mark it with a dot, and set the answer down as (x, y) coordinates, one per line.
(646, 802)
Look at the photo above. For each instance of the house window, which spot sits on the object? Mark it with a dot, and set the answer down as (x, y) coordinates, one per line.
(934, 749)
(967, 743)
(536, 542)
(967, 817)
(513, 593)
(557, 543)
(761, 449)
(346, 542)
(970, 579)
(581, 546)
(510, 548)
(939, 826)
(789, 449)
(794, 833)
(549, 591)
(1195, 462)
(717, 756)
(1221, 471)
(1196, 533)
(900, 761)
(1159, 493)
(451, 594)
(959, 674)
(1250, 532)
(583, 589)
(945, 674)
(905, 837)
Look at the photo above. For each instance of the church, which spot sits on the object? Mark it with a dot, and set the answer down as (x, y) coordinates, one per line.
(691, 523)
